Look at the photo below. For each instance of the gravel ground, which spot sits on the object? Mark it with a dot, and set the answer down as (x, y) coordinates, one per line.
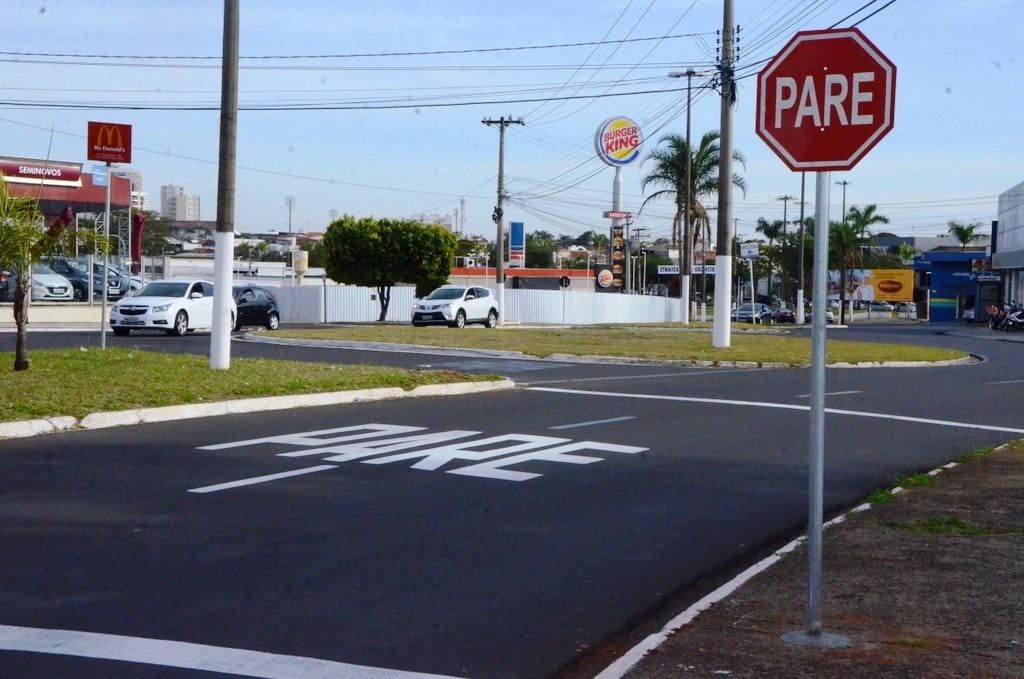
(928, 584)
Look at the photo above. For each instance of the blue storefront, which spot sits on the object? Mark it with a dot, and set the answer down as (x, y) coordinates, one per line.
(956, 285)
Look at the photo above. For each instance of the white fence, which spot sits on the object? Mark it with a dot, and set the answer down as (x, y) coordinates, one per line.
(346, 304)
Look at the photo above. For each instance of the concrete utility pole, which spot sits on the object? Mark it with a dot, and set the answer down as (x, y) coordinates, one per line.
(289, 202)
(800, 281)
(224, 245)
(785, 202)
(844, 184)
(499, 212)
(723, 261)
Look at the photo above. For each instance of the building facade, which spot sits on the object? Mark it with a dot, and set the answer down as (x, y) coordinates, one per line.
(176, 205)
(1008, 252)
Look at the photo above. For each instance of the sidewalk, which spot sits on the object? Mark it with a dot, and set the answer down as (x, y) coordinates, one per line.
(930, 584)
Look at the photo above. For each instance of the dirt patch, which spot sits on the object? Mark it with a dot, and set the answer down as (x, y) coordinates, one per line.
(929, 584)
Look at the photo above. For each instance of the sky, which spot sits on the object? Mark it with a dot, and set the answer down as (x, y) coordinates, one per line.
(375, 109)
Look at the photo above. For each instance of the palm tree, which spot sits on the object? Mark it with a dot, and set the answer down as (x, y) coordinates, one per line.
(23, 240)
(964, 233)
(847, 239)
(772, 231)
(669, 173)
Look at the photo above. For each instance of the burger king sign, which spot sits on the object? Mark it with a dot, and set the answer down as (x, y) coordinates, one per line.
(618, 141)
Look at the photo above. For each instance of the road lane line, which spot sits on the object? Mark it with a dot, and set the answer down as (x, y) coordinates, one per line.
(262, 479)
(782, 406)
(594, 422)
(191, 656)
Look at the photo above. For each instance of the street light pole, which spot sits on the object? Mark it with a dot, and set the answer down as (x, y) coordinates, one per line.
(686, 261)
(289, 202)
(844, 184)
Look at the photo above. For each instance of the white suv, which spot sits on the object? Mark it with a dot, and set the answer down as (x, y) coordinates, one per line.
(455, 306)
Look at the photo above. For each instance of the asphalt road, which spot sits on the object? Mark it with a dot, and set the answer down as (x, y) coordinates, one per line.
(501, 535)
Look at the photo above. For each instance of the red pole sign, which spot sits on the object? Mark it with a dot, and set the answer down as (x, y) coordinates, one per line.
(110, 142)
(825, 100)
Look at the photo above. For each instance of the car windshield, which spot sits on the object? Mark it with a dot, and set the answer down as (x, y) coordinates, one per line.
(164, 289)
(446, 293)
(746, 306)
(42, 269)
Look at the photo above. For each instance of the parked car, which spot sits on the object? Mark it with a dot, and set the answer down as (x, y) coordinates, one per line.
(256, 306)
(47, 285)
(78, 275)
(783, 316)
(830, 316)
(752, 313)
(881, 306)
(175, 306)
(118, 284)
(455, 306)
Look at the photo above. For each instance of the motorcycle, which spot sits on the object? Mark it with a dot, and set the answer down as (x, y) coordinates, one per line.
(1014, 319)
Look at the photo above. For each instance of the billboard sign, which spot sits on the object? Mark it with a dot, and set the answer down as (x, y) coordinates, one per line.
(618, 141)
(109, 142)
(516, 244)
(47, 172)
(870, 285)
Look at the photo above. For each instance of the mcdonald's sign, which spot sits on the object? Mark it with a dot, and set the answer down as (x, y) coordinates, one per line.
(110, 142)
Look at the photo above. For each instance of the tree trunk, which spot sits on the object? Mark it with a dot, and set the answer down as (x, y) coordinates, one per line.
(384, 295)
(21, 300)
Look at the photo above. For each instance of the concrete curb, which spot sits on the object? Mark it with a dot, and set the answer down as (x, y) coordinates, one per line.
(103, 420)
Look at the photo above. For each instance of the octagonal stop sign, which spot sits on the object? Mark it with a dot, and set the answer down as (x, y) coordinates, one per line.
(825, 100)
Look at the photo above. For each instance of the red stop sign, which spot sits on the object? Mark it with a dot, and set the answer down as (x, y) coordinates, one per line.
(825, 100)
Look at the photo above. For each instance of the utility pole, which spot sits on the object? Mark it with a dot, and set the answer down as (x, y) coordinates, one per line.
(785, 202)
(224, 244)
(499, 211)
(723, 262)
(800, 281)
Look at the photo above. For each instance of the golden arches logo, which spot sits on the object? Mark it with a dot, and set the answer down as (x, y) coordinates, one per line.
(109, 136)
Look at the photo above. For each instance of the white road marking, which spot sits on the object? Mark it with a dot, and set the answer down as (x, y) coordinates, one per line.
(832, 393)
(782, 406)
(262, 479)
(594, 422)
(166, 653)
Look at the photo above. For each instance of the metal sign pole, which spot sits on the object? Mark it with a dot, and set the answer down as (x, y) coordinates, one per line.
(813, 636)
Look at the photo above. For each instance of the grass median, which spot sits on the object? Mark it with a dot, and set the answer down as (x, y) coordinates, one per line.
(77, 382)
(657, 342)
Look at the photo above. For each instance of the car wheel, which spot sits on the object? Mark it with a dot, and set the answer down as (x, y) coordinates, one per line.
(122, 332)
(80, 295)
(180, 324)
(460, 319)
(273, 322)
(492, 319)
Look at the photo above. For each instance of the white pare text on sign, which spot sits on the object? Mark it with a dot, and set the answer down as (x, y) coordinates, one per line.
(825, 100)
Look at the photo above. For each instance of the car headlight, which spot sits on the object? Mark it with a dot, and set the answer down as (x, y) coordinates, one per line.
(159, 309)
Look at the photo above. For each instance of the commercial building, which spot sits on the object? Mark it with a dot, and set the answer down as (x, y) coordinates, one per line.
(1008, 250)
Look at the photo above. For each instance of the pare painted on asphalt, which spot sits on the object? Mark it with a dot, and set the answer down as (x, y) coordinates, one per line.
(505, 457)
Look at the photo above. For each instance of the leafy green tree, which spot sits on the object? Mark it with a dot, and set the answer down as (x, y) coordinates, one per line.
(23, 240)
(540, 249)
(964, 233)
(157, 236)
(382, 253)
(669, 173)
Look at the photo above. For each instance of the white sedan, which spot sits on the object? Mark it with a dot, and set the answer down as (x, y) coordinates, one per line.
(174, 306)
